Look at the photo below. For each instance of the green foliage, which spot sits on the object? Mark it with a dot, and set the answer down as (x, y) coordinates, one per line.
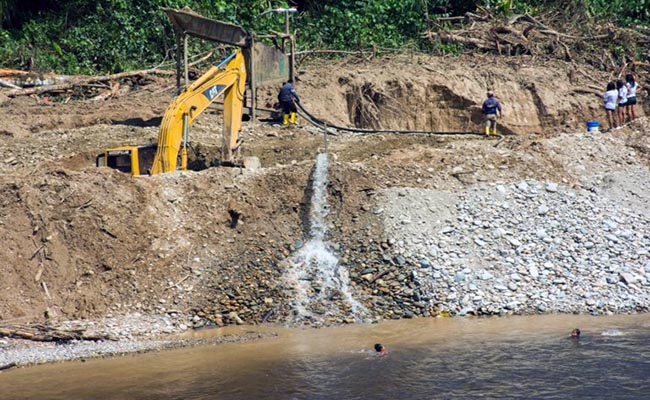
(86, 36)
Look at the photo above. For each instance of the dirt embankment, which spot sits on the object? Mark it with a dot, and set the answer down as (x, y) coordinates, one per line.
(210, 247)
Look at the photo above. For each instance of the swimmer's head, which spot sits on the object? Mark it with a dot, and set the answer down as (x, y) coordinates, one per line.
(575, 333)
(379, 347)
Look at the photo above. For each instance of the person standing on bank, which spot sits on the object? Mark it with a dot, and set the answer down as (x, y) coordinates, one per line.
(286, 97)
(492, 110)
(622, 102)
(609, 98)
(631, 96)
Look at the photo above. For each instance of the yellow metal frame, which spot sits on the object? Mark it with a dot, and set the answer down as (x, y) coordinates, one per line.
(230, 82)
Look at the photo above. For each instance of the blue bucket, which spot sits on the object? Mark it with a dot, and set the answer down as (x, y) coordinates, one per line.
(592, 126)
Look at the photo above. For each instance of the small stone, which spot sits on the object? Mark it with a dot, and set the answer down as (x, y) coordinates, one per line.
(611, 225)
(486, 276)
(551, 187)
(252, 163)
(523, 186)
(498, 232)
(628, 278)
(234, 317)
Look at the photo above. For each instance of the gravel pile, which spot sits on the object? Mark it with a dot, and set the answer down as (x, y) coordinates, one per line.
(526, 247)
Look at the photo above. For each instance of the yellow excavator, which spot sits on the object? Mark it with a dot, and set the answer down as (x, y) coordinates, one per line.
(227, 78)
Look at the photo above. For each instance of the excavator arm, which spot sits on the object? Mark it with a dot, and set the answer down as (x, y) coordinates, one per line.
(227, 78)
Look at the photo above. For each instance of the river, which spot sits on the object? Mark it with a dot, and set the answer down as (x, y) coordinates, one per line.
(510, 357)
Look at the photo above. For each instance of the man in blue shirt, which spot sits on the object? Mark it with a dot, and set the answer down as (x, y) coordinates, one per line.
(491, 109)
(286, 97)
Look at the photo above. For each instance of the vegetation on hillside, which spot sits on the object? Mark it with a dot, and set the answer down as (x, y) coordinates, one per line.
(86, 36)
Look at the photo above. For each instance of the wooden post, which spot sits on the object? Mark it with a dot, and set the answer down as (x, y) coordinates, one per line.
(292, 59)
(187, 73)
(291, 45)
(178, 61)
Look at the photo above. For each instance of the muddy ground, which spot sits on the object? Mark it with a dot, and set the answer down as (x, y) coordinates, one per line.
(82, 242)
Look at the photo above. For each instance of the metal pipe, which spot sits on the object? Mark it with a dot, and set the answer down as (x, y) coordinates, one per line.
(225, 60)
(185, 138)
(252, 80)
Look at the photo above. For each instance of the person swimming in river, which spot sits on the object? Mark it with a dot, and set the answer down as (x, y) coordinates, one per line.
(381, 349)
(575, 334)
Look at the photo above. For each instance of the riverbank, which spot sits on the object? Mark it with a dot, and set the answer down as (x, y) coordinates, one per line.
(132, 334)
(551, 219)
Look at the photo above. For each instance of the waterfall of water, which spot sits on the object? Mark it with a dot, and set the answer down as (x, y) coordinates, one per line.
(320, 283)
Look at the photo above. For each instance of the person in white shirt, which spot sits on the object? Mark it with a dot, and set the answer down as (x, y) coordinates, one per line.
(609, 98)
(631, 96)
(622, 102)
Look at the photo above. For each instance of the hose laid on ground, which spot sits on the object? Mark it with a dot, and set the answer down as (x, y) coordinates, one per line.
(327, 128)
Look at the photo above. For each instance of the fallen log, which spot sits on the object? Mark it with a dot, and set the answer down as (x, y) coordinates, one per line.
(87, 80)
(310, 52)
(46, 334)
(8, 84)
(8, 366)
(451, 38)
(12, 72)
(112, 91)
(588, 91)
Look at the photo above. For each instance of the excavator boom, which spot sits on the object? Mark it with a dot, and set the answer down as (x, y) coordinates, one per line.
(227, 79)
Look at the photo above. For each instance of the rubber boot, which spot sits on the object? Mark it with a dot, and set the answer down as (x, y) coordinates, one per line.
(293, 117)
(285, 120)
(494, 131)
(487, 131)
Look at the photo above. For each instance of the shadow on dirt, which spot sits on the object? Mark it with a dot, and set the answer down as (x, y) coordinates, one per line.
(139, 122)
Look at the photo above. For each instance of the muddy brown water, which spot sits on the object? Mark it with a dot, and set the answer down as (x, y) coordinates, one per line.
(513, 357)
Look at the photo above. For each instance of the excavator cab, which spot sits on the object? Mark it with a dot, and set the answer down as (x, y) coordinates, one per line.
(134, 160)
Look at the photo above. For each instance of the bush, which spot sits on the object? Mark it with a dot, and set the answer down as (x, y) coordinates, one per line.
(86, 36)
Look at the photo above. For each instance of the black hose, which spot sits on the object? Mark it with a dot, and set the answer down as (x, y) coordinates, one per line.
(325, 125)
(316, 121)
